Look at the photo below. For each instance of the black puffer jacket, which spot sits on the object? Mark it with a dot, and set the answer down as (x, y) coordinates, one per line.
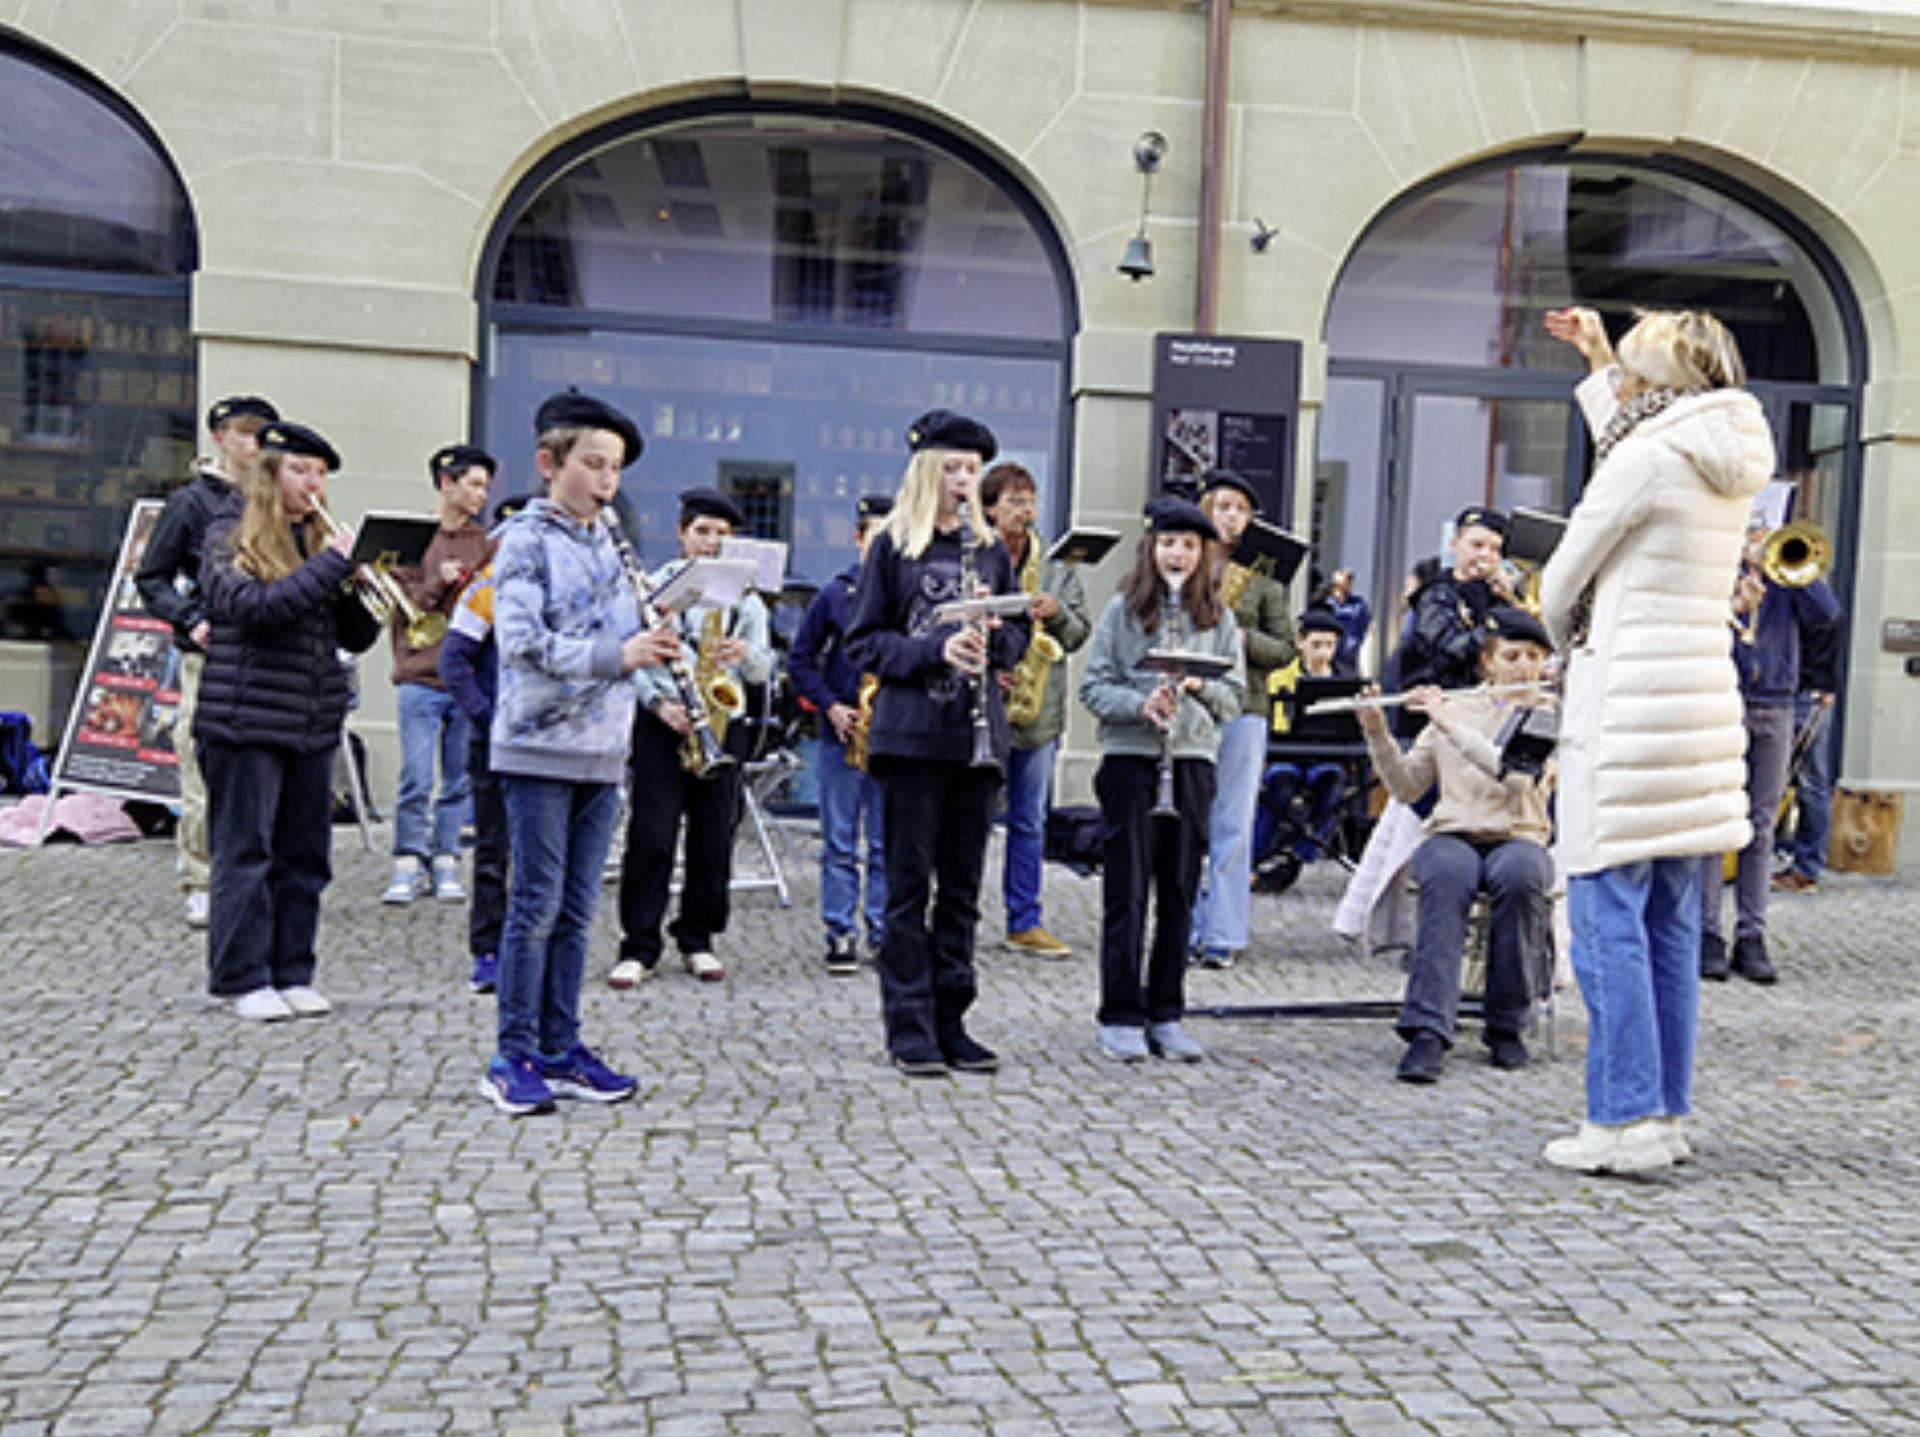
(274, 675)
(177, 547)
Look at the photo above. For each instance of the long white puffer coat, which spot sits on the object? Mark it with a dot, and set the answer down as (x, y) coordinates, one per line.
(1652, 743)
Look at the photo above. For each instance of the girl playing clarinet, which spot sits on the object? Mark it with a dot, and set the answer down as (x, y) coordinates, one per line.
(1165, 602)
(938, 741)
(272, 699)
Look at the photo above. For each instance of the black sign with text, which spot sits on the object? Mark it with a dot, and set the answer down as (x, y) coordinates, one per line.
(1221, 402)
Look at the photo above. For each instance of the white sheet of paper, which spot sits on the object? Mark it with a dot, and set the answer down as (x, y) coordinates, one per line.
(768, 556)
(709, 583)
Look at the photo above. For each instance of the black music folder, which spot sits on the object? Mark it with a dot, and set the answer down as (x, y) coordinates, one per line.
(393, 540)
(1272, 550)
(1323, 728)
(1533, 535)
(1086, 545)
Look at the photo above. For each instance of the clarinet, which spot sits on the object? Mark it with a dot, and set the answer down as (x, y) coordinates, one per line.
(701, 751)
(982, 725)
(1163, 805)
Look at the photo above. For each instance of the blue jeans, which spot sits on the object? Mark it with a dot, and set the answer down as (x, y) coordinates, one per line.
(1298, 804)
(1221, 917)
(432, 726)
(1636, 952)
(849, 800)
(1029, 794)
(1815, 786)
(558, 833)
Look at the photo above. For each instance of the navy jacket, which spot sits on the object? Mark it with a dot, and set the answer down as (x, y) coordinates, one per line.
(274, 677)
(177, 547)
(1796, 630)
(925, 708)
(818, 664)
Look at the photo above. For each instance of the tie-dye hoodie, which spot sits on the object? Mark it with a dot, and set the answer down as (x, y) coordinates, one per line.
(563, 606)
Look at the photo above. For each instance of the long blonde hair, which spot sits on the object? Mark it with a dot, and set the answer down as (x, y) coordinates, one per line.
(917, 508)
(263, 541)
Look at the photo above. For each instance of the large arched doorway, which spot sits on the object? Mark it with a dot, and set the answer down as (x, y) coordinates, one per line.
(774, 292)
(97, 246)
(1443, 390)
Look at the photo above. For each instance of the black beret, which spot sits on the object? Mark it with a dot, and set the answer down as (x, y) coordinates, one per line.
(454, 459)
(1476, 515)
(1515, 626)
(1321, 621)
(1178, 516)
(571, 409)
(241, 406)
(511, 505)
(285, 437)
(1226, 479)
(943, 429)
(873, 506)
(709, 504)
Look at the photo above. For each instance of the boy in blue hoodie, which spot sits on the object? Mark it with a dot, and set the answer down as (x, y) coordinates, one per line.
(567, 626)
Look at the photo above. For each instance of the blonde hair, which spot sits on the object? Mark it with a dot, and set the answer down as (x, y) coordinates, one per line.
(916, 509)
(263, 542)
(1682, 349)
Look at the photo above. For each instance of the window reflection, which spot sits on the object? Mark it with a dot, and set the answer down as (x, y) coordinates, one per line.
(1462, 273)
(785, 221)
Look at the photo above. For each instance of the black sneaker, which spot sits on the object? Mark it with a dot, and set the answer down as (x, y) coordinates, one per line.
(1750, 961)
(919, 1065)
(841, 957)
(1423, 1059)
(1714, 965)
(964, 1055)
(1505, 1050)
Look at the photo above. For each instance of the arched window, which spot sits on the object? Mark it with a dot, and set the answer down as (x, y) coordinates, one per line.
(96, 357)
(774, 293)
(1444, 389)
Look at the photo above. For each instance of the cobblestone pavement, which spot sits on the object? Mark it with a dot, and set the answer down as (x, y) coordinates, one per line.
(320, 1228)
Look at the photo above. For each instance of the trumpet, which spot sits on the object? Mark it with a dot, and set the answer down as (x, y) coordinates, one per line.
(1541, 688)
(384, 596)
(1796, 555)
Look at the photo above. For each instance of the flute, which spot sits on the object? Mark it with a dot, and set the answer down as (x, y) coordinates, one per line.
(1543, 687)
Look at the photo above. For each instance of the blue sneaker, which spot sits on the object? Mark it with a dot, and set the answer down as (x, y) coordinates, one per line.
(486, 973)
(582, 1075)
(513, 1087)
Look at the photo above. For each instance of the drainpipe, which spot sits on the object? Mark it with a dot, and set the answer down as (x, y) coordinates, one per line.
(1213, 164)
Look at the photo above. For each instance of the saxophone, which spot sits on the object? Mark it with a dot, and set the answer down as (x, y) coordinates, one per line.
(1233, 586)
(863, 722)
(1029, 689)
(716, 688)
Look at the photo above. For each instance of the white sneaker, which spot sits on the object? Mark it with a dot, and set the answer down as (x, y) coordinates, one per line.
(446, 879)
(628, 973)
(1637, 1147)
(704, 966)
(306, 1002)
(199, 906)
(406, 883)
(262, 1005)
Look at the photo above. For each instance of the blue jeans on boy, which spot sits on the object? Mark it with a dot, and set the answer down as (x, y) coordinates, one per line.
(1815, 800)
(559, 834)
(1222, 915)
(1029, 790)
(1636, 952)
(433, 728)
(849, 802)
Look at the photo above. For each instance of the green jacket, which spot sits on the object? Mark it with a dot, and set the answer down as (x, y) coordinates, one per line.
(1069, 628)
(1266, 624)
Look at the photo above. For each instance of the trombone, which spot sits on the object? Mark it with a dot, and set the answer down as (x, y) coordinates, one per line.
(384, 595)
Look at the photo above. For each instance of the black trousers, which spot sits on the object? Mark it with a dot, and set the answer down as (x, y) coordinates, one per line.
(1143, 856)
(487, 912)
(936, 817)
(662, 792)
(270, 832)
